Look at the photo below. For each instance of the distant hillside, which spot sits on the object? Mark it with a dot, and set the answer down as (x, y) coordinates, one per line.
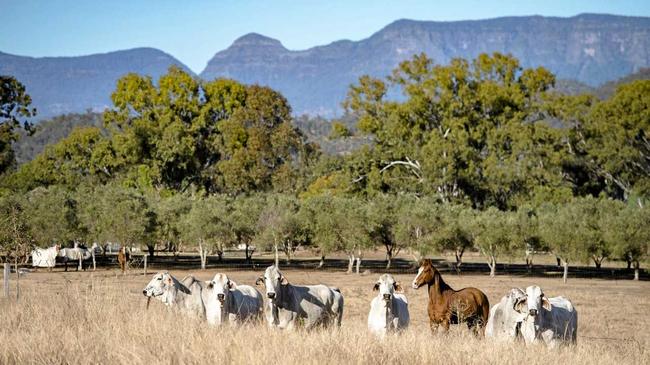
(589, 48)
(61, 85)
(603, 91)
(51, 131)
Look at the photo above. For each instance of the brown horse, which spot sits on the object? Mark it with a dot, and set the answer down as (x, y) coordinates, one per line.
(123, 258)
(447, 305)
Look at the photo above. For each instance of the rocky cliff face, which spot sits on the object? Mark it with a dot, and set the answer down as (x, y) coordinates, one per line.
(589, 48)
(60, 85)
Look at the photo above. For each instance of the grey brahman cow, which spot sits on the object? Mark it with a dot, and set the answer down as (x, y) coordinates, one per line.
(504, 322)
(227, 302)
(389, 310)
(185, 295)
(289, 306)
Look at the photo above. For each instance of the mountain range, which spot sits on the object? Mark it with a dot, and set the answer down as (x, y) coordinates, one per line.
(589, 48)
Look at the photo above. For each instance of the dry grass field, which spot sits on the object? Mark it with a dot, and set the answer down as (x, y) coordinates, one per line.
(100, 318)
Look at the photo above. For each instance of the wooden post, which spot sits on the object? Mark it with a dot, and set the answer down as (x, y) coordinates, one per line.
(7, 272)
(17, 280)
(145, 265)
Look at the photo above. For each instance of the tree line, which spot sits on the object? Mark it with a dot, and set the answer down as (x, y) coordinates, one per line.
(477, 154)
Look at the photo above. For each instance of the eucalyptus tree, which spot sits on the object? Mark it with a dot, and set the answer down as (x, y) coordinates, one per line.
(629, 231)
(417, 225)
(280, 226)
(464, 131)
(53, 215)
(382, 211)
(15, 104)
(494, 235)
(567, 229)
(205, 225)
(242, 220)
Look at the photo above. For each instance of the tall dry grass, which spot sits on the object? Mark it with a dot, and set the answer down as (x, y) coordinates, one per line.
(101, 318)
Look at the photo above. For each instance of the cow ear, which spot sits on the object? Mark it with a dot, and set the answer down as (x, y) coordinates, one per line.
(231, 284)
(376, 287)
(169, 280)
(397, 286)
(259, 281)
(284, 281)
(546, 303)
(520, 305)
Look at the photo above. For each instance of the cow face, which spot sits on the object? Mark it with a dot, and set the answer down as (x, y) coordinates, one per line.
(273, 280)
(386, 285)
(533, 302)
(221, 286)
(157, 286)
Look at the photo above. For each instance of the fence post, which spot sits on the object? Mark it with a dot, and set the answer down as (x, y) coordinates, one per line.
(145, 265)
(7, 272)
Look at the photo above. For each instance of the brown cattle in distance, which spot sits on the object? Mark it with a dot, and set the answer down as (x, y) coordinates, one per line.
(449, 306)
(123, 258)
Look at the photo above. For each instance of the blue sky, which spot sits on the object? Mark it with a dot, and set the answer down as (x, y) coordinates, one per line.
(193, 30)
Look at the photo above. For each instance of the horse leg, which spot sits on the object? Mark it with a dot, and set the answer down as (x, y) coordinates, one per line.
(434, 326)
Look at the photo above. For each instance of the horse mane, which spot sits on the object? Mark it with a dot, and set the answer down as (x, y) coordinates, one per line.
(437, 279)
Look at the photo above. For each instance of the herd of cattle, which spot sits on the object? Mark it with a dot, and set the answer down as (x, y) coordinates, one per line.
(47, 257)
(527, 315)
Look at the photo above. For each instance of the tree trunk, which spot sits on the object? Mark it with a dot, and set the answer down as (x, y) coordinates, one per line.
(322, 262)
(636, 270)
(629, 264)
(287, 252)
(358, 264)
(17, 280)
(566, 271)
(92, 252)
(277, 256)
(350, 263)
(203, 253)
(493, 266)
(598, 261)
(459, 258)
(151, 249)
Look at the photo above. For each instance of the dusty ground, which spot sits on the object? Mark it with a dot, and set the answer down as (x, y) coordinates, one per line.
(101, 318)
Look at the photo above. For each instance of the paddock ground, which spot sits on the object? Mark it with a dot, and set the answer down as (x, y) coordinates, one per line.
(100, 317)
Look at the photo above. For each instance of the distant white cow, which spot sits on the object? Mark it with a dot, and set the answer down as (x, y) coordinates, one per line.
(504, 322)
(289, 306)
(389, 311)
(227, 302)
(551, 320)
(45, 257)
(78, 254)
(185, 295)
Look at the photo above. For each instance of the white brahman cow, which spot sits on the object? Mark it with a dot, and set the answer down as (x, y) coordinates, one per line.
(185, 295)
(227, 302)
(504, 321)
(45, 257)
(289, 306)
(551, 320)
(389, 310)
